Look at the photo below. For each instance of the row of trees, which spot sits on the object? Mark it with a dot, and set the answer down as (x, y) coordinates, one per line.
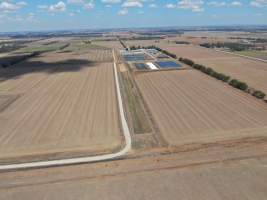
(64, 46)
(182, 42)
(18, 59)
(8, 47)
(230, 45)
(220, 76)
(124, 46)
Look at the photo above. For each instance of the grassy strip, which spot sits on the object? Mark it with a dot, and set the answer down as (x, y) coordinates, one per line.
(45, 48)
(139, 120)
(220, 76)
(255, 54)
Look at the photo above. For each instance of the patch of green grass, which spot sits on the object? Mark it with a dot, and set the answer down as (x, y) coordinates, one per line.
(140, 122)
(43, 48)
(81, 46)
(255, 54)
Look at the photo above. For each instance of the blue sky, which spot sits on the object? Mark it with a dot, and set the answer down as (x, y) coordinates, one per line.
(23, 15)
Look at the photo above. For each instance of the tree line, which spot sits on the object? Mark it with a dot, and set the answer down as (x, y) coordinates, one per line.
(230, 45)
(225, 78)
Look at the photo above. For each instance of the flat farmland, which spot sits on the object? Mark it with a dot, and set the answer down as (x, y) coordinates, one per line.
(58, 109)
(142, 43)
(109, 44)
(252, 72)
(255, 54)
(191, 107)
(192, 51)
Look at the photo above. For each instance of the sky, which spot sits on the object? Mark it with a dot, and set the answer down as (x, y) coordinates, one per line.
(38, 15)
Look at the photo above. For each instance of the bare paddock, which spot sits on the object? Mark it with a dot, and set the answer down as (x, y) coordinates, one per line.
(252, 72)
(61, 109)
(191, 107)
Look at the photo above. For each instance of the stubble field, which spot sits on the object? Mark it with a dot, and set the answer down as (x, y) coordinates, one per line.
(66, 106)
(109, 44)
(252, 72)
(190, 107)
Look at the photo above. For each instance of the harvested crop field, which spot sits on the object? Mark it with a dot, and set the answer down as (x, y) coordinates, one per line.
(252, 72)
(193, 52)
(191, 107)
(62, 110)
(109, 44)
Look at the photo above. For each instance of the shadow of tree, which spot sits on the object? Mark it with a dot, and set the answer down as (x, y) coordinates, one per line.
(29, 66)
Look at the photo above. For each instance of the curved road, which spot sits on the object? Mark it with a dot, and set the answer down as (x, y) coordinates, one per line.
(80, 160)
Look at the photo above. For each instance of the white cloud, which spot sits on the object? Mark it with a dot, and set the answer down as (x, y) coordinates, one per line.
(8, 6)
(236, 4)
(111, 1)
(72, 14)
(89, 6)
(152, 5)
(193, 5)
(86, 5)
(259, 3)
(123, 12)
(131, 4)
(75, 1)
(31, 17)
(58, 7)
(170, 5)
(217, 3)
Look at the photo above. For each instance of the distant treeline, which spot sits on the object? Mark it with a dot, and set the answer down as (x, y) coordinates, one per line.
(52, 42)
(181, 42)
(229, 45)
(154, 47)
(225, 78)
(124, 46)
(255, 40)
(144, 38)
(64, 46)
(87, 42)
(6, 47)
(7, 62)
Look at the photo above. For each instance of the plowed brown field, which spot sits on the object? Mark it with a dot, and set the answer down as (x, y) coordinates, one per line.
(189, 107)
(254, 73)
(62, 109)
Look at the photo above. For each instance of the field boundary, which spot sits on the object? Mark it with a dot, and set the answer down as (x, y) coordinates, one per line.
(234, 54)
(80, 160)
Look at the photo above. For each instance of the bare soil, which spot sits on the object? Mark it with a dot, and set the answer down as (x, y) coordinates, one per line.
(191, 107)
(66, 106)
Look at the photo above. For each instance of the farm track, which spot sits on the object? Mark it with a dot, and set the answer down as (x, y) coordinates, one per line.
(228, 170)
(187, 105)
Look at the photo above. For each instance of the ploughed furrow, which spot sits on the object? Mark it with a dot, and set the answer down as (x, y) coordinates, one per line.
(66, 112)
(190, 104)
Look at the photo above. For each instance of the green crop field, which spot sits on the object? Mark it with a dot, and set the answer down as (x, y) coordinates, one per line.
(255, 54)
